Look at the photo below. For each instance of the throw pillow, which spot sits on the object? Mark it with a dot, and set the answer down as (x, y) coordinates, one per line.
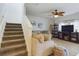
(58, 51)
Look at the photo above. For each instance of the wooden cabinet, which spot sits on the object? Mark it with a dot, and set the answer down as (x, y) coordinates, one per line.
(55, 30)
(75, 37)
(60, 35)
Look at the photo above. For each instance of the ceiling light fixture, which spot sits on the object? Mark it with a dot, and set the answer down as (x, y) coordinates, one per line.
(57, 13)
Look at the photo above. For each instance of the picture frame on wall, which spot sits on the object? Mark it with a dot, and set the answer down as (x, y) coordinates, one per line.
(40, 25)
(33, 23)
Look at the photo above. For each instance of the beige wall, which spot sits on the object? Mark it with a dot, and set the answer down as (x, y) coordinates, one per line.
(27, 29)
(14, 12)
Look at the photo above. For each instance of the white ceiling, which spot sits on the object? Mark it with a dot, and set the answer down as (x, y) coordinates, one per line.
(45, 9)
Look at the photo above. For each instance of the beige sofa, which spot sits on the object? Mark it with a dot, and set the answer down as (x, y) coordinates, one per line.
(42, 48)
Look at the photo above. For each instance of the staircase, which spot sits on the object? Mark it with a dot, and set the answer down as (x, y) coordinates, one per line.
(13, 43)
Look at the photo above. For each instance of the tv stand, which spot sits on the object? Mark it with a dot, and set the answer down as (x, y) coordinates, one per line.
(66, 36)
(69, 36)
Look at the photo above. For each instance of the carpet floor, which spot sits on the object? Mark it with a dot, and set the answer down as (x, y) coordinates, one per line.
(73, 48)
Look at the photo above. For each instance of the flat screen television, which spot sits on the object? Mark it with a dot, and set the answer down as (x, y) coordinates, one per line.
(67, 28)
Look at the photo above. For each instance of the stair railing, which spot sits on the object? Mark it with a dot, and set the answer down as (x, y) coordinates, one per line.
(2, 26)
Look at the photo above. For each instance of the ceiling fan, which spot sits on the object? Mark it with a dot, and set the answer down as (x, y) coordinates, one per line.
(59, 13)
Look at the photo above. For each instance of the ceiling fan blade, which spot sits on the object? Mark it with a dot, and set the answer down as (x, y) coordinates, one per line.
(60, 14)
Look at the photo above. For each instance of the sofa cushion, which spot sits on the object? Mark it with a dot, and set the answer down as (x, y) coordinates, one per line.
(39, 37)
(47, 37)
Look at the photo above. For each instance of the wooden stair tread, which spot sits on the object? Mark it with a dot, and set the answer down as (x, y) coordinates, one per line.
(16, 54)
(12, 24)
(12, 31)
(13, 28)
(13, 35)
(9, 41)
(12, 47)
